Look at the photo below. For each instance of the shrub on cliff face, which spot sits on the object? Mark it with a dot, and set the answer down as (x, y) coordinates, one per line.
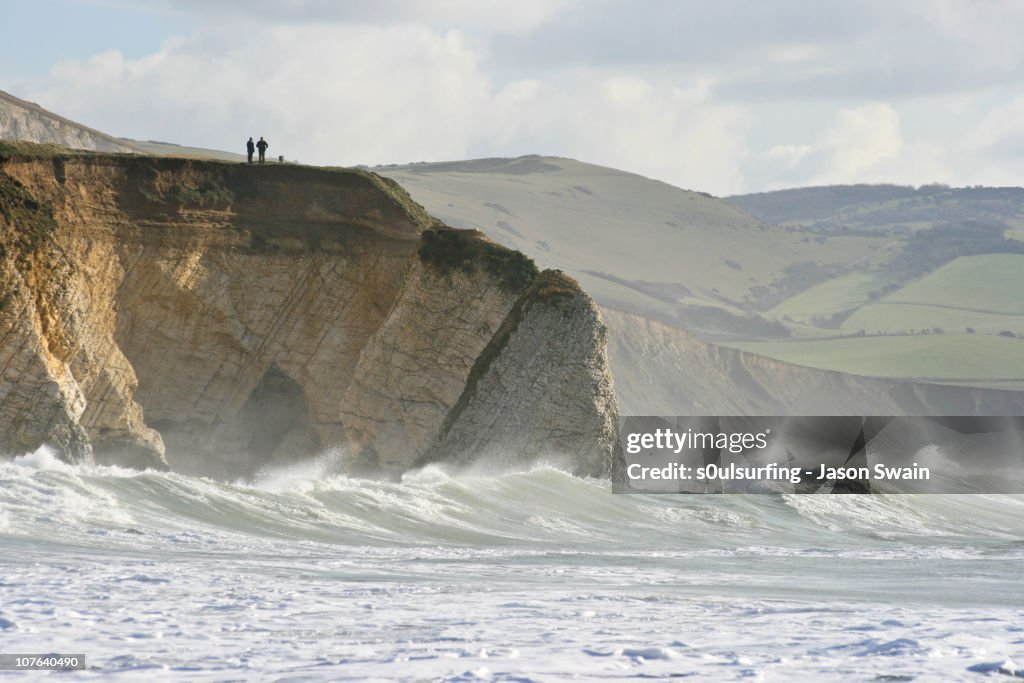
(32, 221)
(208, 194)
(449, 249)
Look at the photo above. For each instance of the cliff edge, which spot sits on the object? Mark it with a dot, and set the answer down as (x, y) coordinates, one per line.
(216, 317)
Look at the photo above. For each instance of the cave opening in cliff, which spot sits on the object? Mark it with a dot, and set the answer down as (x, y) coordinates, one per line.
(276, 416)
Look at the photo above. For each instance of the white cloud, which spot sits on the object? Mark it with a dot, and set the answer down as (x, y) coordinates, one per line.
(788, 156)
(345, 95)
(491, 15)
(656, 129)
(796, 53)
(1001, 130)
(861, 138)
(862, 144)
(725, 98)
(331, 94)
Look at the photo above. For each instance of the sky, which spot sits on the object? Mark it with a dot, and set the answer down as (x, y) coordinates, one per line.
(726, 97)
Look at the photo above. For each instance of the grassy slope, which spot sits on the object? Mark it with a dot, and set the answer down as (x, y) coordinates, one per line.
(993, 282)
(832, 296)
(645, 247)
(167, 149)
(904, 318)
(878, 207)
(981, 292)
(688, 247)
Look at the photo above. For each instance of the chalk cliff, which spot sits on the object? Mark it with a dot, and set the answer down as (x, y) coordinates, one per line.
(28, 122)
(566, 401)
(663, 370)
(217, 317)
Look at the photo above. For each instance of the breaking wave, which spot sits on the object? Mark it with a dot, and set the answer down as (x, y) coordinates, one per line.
(305, 574)
(49, 501)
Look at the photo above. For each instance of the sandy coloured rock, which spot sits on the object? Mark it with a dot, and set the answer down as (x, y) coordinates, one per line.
(215, 317)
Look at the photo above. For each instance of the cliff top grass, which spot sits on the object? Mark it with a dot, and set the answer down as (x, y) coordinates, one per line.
(554, 283)
(32, 150)
(451, 249)
(228, 188)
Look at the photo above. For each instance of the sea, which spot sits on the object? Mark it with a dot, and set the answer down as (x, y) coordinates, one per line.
(302, 574)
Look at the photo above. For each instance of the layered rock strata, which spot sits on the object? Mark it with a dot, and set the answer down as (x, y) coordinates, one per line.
(217, 317)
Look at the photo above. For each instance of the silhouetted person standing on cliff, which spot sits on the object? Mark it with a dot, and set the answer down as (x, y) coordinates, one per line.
(250, 147)
(262, 147)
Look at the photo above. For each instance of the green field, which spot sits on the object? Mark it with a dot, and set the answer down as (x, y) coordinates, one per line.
(991, 283)
(889, 318)
(980, 360)
(834, 296)
(979, 292)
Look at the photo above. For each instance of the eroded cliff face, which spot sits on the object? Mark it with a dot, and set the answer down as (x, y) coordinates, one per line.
(217, 317)
(663, 370)
(415, 366)
(535, 391)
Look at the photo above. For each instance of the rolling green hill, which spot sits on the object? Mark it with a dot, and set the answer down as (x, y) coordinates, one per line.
(883, 207)
(942, 301)
(983, 293)
(830, 298)
(992, 282)
(843, 278)
(636, 244)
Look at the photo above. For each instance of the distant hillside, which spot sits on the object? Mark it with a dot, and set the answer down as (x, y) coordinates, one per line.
(862, 279)
(878, 207)
(939, 303)
(636, 244)
(169, 149)
(28, 122)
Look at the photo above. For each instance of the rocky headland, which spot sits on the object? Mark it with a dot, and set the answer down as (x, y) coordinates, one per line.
(214, 317)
